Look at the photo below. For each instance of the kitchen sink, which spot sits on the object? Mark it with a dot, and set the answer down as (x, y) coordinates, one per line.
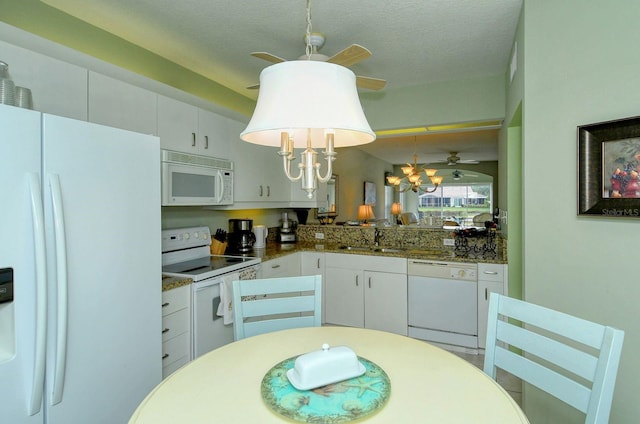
(358, 248)
(388, 250)
(373, 249)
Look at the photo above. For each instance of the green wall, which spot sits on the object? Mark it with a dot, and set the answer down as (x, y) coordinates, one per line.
(47, 22)
(581, 66)
(436, 103)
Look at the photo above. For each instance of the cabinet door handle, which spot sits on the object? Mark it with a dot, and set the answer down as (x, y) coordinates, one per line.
(486, 293)
(166, 330)
(261, 191)
(268, 191)
(369, 282)
(165, 356)
(206, 141)
(318, 263)
(357, 280)
(491, 272)
(165, 304)
(193, 139)
(275, 266)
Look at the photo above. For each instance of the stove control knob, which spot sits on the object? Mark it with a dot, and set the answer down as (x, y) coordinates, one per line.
(196, 235)
(187, 236)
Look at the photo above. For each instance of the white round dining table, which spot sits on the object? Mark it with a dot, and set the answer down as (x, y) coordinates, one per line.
(428, 384)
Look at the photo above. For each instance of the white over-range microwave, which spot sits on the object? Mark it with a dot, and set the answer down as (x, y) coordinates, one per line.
(194, 180)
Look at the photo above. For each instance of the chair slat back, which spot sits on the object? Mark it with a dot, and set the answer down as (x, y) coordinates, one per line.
(573, 359)
(272, 304)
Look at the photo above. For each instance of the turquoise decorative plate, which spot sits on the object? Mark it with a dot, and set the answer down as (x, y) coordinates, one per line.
(341, 402)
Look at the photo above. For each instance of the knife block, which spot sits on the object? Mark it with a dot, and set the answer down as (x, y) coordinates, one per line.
(217, 247)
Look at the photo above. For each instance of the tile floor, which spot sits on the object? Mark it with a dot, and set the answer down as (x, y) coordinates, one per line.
(512, 384)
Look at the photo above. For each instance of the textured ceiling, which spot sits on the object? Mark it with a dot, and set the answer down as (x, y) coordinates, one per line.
(413, 41)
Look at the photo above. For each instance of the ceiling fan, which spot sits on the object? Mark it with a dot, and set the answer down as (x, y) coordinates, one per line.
(347, 57)
(458, 175)
(454, 159)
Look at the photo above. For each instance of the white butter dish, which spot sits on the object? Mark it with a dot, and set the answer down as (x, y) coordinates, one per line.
(326, 366)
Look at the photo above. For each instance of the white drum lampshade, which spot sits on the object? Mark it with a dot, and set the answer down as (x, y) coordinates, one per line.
(300, 95)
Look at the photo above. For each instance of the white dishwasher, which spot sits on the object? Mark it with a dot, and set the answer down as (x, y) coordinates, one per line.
(443, 302)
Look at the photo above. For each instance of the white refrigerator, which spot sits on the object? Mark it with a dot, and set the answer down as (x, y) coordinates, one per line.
(80, 334)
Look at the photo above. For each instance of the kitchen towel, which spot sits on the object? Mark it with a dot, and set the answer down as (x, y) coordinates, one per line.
(226, 294)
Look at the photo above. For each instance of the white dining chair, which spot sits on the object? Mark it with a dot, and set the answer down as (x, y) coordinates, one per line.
(578, 350)
(265, 305)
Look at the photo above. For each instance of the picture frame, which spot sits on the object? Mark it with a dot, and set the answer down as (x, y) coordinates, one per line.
(369, 193)
(609, 168)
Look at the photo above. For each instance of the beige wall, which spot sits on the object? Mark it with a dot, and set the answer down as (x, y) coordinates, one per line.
(354, 167)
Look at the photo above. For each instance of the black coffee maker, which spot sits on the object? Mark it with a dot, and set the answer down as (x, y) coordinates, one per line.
(240, 238)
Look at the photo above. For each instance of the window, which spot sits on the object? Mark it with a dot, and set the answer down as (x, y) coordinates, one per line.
(457, 202)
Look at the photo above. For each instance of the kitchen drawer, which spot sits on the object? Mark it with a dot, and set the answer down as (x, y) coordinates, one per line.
(490, 272)
(169, 369)
(175, 348)
(176, 299)
(286, 266)
(176, 323)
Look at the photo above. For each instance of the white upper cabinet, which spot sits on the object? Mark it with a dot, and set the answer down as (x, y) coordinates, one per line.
(213, 135)
(259, 177)
(118, 104)
(57, 87)
(186, 128)
(177, 125)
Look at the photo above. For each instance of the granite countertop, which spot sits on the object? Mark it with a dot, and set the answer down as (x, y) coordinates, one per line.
(169, 283)
(274, 250)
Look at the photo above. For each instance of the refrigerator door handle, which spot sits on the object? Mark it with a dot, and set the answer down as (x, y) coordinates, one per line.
(61, 266)
(37, 215)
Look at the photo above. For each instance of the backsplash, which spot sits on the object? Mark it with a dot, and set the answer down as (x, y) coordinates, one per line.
(406, 237)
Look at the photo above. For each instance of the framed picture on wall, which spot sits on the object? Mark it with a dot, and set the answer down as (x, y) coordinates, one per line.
(609, 168)
(369, 193)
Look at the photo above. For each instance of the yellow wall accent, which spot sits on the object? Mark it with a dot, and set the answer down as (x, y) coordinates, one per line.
(47, 22)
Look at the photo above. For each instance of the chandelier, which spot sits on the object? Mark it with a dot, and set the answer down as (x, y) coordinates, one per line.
(308, 104)
(412, 179)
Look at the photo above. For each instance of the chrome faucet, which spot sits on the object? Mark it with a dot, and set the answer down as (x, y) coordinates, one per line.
(377, 236)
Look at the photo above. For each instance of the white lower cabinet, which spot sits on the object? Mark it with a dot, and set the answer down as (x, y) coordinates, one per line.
(312, 263)
(284, 266)
(491, 278)
(366, 291)
(176, 329)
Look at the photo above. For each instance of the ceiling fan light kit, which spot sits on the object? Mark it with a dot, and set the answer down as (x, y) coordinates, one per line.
(308, 104)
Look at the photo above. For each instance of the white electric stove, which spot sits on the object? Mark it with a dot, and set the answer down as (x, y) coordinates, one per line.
(186, 253)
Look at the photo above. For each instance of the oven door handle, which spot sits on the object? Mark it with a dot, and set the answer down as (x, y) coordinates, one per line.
(215, 304)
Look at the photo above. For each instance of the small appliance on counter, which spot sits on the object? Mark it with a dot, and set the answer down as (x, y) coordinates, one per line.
(287, 230)
(240, 238)
(261, 232)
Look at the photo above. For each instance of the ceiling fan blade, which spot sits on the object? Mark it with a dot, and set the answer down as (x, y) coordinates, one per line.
(370, 83)
(268, 57)
(253, 87)
(350, 56)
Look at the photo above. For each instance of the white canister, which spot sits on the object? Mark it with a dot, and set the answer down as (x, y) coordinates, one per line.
(260, 232)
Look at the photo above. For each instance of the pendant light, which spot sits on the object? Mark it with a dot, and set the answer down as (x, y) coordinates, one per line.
(308, 104)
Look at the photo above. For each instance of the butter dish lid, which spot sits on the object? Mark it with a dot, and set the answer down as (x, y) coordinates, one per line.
(326, 366)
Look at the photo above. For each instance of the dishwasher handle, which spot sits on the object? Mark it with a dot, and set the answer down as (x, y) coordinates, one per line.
(421, 263)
